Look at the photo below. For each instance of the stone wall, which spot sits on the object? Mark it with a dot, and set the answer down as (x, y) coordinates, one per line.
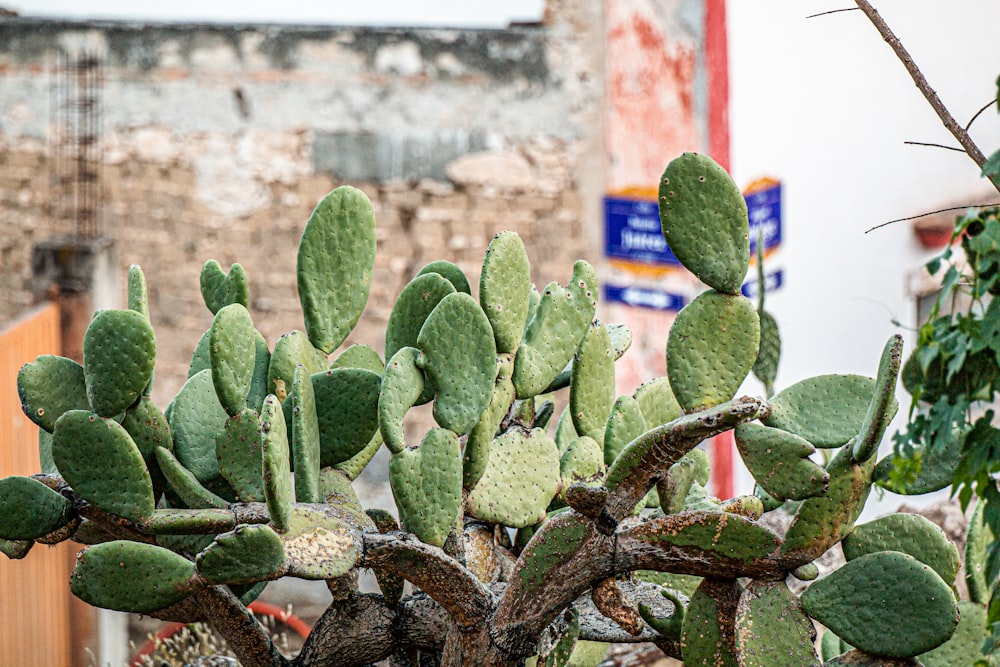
(218, 141)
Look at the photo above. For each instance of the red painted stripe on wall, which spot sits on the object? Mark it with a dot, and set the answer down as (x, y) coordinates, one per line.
(717, 66)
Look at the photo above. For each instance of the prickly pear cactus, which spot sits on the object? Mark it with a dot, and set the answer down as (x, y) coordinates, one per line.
(246, 477)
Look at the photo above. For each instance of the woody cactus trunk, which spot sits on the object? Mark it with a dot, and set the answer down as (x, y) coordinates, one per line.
(246, 476)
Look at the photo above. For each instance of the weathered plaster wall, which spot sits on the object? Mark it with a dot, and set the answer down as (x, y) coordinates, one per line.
(218, 141)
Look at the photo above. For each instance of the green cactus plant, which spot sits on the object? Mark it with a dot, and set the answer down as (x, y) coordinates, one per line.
(246, 476)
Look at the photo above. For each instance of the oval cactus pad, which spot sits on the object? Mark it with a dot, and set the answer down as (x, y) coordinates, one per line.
(826, 410)
(131, 576)
(119, 350)
(460, 361)
(98, 458)
(48, 387)
(427, 485)
(711, 348)
(704, 220)
(863, 603)
(505, 289)
(335, 262)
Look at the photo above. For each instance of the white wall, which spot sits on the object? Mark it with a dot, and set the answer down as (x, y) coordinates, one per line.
(824, 105)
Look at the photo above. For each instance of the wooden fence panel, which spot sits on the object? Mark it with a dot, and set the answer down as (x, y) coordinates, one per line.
(35, 604)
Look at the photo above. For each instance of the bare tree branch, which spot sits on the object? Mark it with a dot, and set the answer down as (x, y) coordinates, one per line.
(970, 147)
(979, 113)
(931, 145)
(833, 11)
(921, 215)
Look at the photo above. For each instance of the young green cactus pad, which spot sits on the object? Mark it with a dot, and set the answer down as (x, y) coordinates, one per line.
(246, 555)
(457, 342)
(291, 350)
(427, 485)
(131, 576)
(625, 424)
(46, 509)
(98, 458)
(335, 262)
(195, 419)
(704, 219)
(861, 603)
(50, 386)
(412, 308)
(346, 411)
(359, 356)
(238, 449)
(711, 348)
(883, 405)
(477, 447)
(232, 355)
(964, 647)
(592, 388)
(657, 402)
(555, 329)
(826, 410)
(772, 630)
(505, 289)
(520, 480)
(305, 438)
(977, 548)
(118, 354)
(184, 484)
(910, 534)
(449, 272)
(276, 467)
(779, 461)
(220, 289)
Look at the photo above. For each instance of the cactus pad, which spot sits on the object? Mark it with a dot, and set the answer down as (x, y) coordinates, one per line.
(427, 485)
(246, 555)
(402, 384)
(779, 462)
(554, 331)
(220, 289)
(292, 349)
(657, 402)
(320, 545)
(582, 462)
(449, 272)
(237, 447)
(703, 217)
(196, 417)
(505, 288)
(625, 424)
(477, 446)
(592, 388)
(520, 480)
(232, 354)
(459, 356)
(766, 365)
(119, 350)
(276, 469)
(183, 482)
(29, 509)
(862, 604)
(772, 630)
(729, 535)
(978, 545)
(360, 356)
(708, 634)
(346, 410)
(335, 262)
(824, 520)
(964, 646)
(131, 576)
(883, 405)
(826, 410)
(98, 458)
(305, 438)
(412, 308)
(937, 466)
(48, 387)
(711, 348)
(910, 534)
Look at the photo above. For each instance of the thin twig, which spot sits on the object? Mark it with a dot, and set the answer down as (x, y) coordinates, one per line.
(924, 143)
(971, 149)
(833, 11)
(979, 113)
(921, 215)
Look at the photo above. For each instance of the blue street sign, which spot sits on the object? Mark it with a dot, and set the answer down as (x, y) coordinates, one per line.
(764, 211)
(632, 232)
(632, 227)
(772, 281)
(644, 297)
